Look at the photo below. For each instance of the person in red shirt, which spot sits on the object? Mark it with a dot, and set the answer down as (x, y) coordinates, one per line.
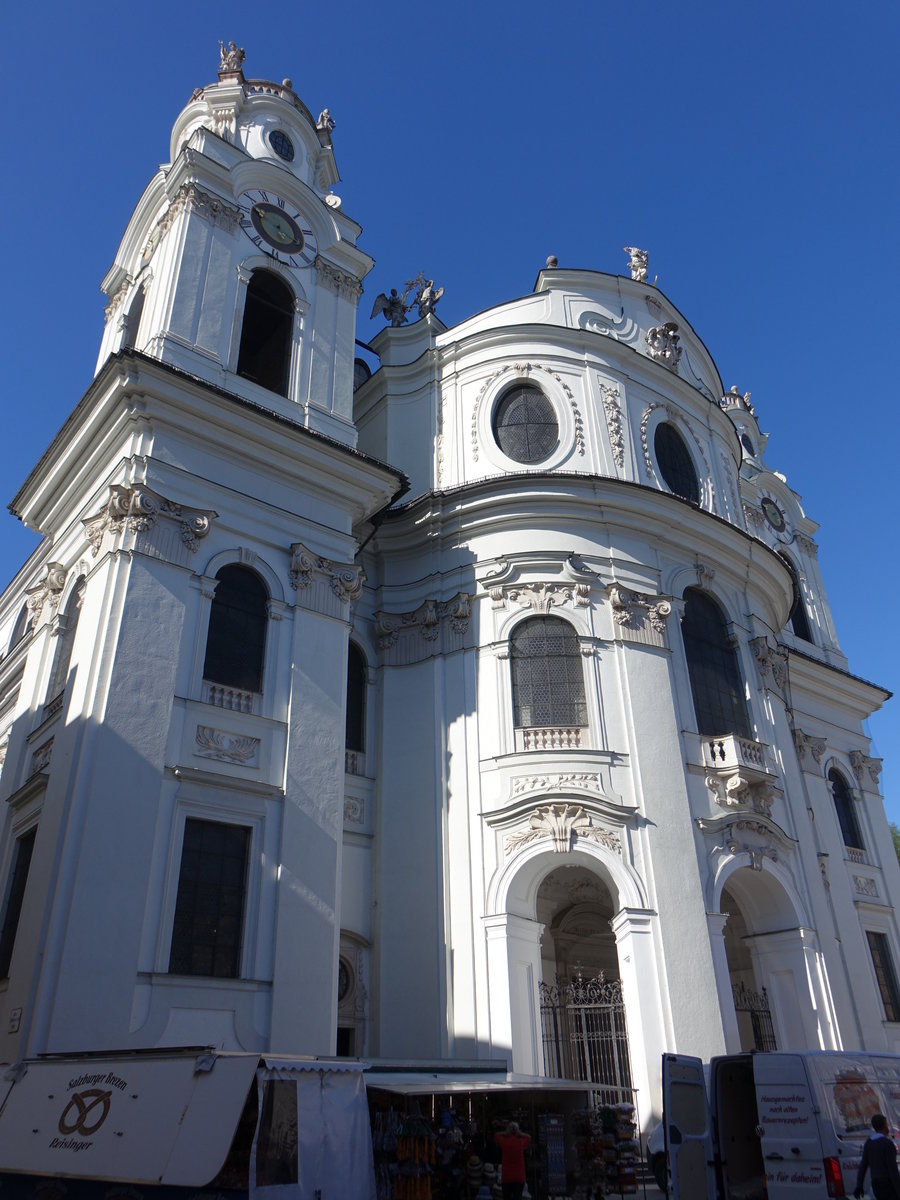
(513, 1144)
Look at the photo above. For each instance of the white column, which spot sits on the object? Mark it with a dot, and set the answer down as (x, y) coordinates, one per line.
(717, 922)
(514, 972)
(641, 992)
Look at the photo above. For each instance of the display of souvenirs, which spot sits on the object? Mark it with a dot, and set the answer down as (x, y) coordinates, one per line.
(608, 1151)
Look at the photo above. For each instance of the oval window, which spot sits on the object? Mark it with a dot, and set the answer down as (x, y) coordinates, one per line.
(525, 425)
(675, 463)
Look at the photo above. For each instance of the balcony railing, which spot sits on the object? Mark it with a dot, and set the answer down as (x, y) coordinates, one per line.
(549, 738)
(233, 699)
(730, 752)
(855, 855)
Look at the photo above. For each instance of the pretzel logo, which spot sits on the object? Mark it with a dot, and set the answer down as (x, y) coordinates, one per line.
(82, 1105)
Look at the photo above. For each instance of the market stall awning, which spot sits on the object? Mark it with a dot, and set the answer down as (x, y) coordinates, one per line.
(140, 1118)
(429, 1083)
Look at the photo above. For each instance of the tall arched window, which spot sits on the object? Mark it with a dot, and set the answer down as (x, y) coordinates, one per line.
(716, 685)
(265, 350)
(21, 627)
(797, 620)
(68, 626)
(675, 463)
(846, 814)
(356, 699)
(236, 642)
(547, 677)
(133, 320)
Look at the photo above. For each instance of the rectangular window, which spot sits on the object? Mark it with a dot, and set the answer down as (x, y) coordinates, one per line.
(209, 908)
(885, 974)
(14, 897)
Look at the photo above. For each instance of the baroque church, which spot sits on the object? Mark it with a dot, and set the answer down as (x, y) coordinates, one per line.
(391, 713)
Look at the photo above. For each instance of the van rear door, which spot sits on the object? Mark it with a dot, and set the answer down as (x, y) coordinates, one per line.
(687, 1129)
(791, 1145)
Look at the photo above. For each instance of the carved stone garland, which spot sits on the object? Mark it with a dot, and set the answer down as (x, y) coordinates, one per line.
(564, 823)
(610, 396)
(522, 370)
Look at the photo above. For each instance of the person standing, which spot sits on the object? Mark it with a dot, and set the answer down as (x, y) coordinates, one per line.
(879, 1156)
(513, 1144)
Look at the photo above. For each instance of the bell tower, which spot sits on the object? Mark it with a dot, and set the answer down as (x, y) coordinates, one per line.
(238, 249)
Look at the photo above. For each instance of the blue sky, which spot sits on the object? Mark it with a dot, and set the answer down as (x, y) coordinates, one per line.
(751, 147)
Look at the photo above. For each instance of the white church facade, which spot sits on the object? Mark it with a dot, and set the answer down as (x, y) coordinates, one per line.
(377, 713)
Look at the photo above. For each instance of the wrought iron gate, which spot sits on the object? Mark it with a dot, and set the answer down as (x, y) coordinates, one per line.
(584, 1033)
(756, 1005)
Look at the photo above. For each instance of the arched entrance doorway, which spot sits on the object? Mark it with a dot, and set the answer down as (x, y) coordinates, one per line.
(583, 1026)
(776, 973)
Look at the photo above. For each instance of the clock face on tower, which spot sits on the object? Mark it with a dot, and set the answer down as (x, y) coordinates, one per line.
(277, 229)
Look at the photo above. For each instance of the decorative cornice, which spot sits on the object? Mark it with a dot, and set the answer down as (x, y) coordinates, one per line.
(863, 765)
(46, 592)
(135, 510)
(804, 743)
(564, 823)
(337, 281)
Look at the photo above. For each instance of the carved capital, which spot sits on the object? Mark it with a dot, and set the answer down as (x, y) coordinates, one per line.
(638, 616)
(337, 281)
(46, 592)
(771, 664)
(804, 744)
(344, 579)
(863, 765)
(426, 621)
(137, 509)
(541, 596)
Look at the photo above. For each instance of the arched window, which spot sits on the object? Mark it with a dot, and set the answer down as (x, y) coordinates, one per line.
(798, 619)
(356, 699)
(236, 642)
(675, 463)
(547, 677)
(265, 350)
(846, 814)
(68, 626)
(21, 627)
(133, 320)
(716, 685)
(525, 425)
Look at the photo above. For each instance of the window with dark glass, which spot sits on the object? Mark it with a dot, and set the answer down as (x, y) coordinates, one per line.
(525, 425)
(132, 321)
(209, 908)
(265, 350)
(356, 699)
(21, 627)
(675, 463)
(547, 676)
(236, 642)
(65, 642)
(797, 620)
(716, 685)
(15, 894)
(846, 812)
(885, 974)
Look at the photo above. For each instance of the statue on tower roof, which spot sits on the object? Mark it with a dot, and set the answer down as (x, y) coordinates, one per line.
(639, 264)
(231, 58)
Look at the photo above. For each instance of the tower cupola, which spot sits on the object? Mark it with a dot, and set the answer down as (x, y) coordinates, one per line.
(238, 249)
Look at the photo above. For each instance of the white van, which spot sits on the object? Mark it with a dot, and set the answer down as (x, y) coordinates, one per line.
(773, 1126)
